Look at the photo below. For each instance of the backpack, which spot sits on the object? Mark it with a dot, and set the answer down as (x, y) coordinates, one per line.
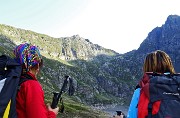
(10, 72)
(159, 96)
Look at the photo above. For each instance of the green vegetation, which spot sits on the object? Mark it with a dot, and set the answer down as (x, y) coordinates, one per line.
(97, 71)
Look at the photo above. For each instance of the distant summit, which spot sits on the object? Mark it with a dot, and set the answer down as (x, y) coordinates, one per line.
(173, 20)
(163, 38)
(64, 48)
(166, 38)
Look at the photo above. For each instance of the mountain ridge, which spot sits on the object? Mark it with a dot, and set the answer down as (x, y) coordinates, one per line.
(103, 75)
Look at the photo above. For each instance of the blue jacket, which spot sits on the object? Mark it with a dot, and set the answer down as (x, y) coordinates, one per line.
(132, 112)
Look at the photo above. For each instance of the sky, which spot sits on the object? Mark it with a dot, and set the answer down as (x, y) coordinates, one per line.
(120, 25)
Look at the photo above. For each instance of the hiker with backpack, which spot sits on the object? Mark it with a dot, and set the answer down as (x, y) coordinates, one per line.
(30, 96)
(157, 94)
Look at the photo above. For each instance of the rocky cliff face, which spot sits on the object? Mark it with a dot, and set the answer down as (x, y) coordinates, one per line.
(166, 38)
(64, 48)
(124, 71)
(103, 76)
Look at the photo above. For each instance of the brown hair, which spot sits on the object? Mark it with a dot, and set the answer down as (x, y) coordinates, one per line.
(24, 70)
(158, 61)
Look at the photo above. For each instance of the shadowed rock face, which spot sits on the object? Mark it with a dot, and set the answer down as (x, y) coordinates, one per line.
(166, 38)
(103, 75)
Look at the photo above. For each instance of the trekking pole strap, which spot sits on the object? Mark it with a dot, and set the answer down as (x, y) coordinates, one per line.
(62, 105)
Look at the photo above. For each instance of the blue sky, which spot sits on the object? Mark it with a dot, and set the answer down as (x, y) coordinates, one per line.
(120, 25)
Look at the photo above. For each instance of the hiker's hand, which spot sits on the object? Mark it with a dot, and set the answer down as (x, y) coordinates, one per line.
(53, 110)
(117, 116)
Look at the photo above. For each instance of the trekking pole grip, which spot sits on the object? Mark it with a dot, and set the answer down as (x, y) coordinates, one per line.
(55, 100)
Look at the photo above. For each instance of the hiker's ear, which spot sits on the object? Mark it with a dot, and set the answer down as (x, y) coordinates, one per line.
(35, 70)
(38, 69)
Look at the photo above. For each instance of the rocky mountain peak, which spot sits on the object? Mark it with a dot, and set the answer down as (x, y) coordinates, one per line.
(173, 20)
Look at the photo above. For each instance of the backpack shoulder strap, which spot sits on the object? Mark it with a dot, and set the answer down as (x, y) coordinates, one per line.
(137, 86)
(3, 62)
(24, 78)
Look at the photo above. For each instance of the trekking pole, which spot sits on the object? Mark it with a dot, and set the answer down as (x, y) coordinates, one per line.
(57, 95)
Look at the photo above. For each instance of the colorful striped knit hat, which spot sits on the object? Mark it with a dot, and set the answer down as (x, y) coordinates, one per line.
(28, 55)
